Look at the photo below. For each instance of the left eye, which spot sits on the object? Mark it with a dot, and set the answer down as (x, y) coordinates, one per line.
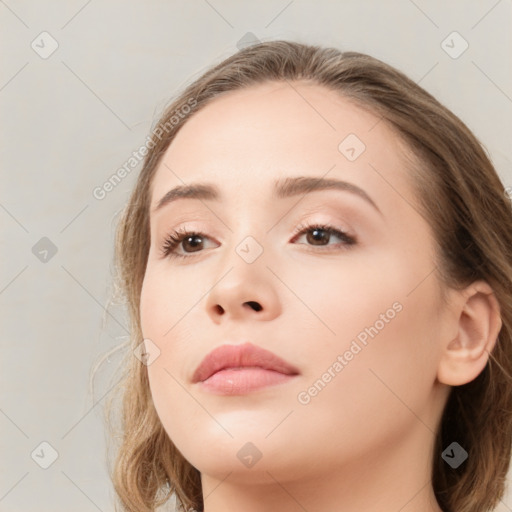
(320, 234)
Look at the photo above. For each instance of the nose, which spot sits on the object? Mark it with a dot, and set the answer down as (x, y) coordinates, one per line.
(256, 306)
(245, 291)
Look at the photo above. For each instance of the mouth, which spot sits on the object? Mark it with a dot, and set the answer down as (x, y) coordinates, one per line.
(239, 369)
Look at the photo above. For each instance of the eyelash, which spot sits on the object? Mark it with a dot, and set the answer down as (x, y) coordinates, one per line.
(174, 238)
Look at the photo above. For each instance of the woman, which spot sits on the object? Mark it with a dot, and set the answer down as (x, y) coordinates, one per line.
(317, 258)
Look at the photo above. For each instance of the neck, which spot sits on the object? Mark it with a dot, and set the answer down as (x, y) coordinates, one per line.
(386, 478)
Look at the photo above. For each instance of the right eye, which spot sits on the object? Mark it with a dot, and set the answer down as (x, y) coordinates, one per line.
(191, 239)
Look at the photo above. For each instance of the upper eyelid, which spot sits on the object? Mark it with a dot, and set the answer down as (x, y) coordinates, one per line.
(305, 218)
(348, 203)
(300, 225)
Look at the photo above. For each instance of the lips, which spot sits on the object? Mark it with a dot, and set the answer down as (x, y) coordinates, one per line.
(238, 357)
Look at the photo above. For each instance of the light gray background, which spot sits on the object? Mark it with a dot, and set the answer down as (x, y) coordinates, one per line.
(71, 120)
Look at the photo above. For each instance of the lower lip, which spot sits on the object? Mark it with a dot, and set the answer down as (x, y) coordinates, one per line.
(242, 381)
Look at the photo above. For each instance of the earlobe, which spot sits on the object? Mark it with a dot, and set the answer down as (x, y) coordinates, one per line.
(464, 357)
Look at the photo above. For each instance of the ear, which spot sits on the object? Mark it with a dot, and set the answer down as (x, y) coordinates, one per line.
(478, 323)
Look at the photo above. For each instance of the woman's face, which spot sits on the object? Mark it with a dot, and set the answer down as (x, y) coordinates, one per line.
(357, 316)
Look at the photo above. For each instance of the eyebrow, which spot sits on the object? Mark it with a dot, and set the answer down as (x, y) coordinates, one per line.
(283, 188)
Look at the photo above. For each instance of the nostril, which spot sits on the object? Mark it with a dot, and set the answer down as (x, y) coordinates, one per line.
(254, 305)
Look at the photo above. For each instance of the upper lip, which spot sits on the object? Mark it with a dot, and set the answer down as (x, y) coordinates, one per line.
(236, 356)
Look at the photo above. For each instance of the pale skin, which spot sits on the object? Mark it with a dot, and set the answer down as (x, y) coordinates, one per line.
(365, 441)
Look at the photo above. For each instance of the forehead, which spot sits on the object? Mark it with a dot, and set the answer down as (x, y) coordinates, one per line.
(246, 139)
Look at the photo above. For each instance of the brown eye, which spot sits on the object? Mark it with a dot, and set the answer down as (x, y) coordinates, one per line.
(321, 235)
(189, 242)
(318, 236)
(193, 242)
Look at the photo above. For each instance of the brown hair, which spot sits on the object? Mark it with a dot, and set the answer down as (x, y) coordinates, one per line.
(460, 195)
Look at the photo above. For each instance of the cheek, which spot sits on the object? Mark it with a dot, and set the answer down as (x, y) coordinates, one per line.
(167, 298)
(168, 313)
(385, 328)
(379, 389)
(342, 300)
